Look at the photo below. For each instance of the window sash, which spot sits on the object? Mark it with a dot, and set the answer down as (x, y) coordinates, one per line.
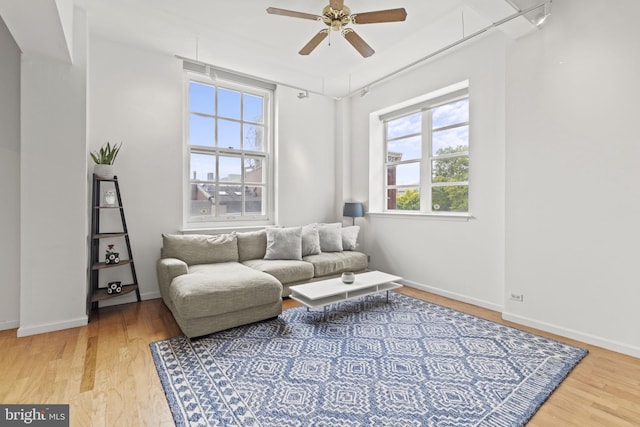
(247, 188)
(426, 183)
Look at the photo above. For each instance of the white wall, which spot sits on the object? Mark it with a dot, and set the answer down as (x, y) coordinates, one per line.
(9, 178)
(461, 259)
(136, 97)
(573, 181)
(53, 226)
(307, 156)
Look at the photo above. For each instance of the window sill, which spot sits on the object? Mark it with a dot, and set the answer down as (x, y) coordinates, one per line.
(443, 216)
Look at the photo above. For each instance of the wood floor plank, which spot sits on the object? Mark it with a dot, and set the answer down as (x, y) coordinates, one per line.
(106, 373)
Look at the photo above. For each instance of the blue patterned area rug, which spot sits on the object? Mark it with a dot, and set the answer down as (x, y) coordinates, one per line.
(370, 363)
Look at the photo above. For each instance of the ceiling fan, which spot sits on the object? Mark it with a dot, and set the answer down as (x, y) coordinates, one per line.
(338, 16)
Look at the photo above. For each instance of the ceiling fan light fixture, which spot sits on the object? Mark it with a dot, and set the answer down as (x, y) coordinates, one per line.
(337, 17)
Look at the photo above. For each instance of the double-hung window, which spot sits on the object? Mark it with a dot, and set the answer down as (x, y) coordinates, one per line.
(426, 151)
(229, 158)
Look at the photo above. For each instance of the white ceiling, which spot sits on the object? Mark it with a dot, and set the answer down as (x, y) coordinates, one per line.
(239, 35)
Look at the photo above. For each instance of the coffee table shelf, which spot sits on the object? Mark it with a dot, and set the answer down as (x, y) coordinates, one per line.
(330, 291)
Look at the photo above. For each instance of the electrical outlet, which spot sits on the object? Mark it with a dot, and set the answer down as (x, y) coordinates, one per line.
(517, 297)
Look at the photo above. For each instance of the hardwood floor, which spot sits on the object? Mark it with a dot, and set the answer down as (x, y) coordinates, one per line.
(106, 373)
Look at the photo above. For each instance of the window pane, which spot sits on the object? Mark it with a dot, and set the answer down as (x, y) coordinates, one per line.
(406, 174)
(201, 130)
(253, 137)
(229, 200)
(454, 198)
(202, 200)
(252, 108)
(451, 114)
(202, 98)
(404, 149)
(253, 170)
(230, 169)
(228, 103)
(203, 167)
(228, 134)
(407, 125)
(404, 199)
(254, 197)
(455, 169)
(450, 141)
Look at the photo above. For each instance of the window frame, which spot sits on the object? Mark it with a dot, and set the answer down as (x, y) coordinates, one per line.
(192, 222)
(379, 163)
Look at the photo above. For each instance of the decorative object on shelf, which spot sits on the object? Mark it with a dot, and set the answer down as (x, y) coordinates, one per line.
(348, 277)
(104, 159)
(353, 210)
(114, 288)
(111, 257)
(110, 198)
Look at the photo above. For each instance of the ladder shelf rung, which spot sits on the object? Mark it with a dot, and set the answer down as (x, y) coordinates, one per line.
(101, 265)
(107, 235)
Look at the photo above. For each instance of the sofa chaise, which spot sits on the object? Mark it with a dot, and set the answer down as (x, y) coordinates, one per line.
(215, 282)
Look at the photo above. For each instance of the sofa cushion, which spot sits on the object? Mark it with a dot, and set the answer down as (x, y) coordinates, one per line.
(284, 243)
(310, 240)
(330, 237)
(252, 245)
(211, 289)
(199, 248)
(330, 263)
(350, 238)
(286, 271)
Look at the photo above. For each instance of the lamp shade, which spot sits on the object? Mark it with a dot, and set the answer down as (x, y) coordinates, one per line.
(353, 210)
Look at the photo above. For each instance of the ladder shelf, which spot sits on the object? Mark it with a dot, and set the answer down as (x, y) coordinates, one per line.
(96, 292)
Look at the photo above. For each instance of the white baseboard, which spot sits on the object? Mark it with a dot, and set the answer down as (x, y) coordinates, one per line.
(150, 295)
(532, 323)
(9, 324)
(573, 334)
(452, 295)
(42, 328)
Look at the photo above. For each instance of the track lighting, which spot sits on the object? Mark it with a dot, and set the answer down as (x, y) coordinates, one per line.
(542, 17)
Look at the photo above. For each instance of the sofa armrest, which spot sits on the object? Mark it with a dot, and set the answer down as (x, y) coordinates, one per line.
(167, 270)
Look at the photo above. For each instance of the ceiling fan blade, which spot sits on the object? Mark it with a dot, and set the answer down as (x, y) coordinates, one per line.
(314, 42)
(357, 42)
(292, 13)
(389, 15)
(336, 4)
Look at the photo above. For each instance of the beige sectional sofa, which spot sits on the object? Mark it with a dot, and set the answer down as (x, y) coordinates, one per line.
(215, 282)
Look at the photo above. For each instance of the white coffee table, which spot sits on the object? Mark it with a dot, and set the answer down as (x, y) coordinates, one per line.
(325, 292)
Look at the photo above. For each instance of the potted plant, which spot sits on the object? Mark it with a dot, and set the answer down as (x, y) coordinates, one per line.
(104, 159)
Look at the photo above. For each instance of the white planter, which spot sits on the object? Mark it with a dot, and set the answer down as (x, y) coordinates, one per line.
(104, 171)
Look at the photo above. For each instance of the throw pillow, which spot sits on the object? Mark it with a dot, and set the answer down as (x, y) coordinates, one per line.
(310, 240)
(284, 243)
(252, 245)
(330, 237)
(350, 238)
(200, 248)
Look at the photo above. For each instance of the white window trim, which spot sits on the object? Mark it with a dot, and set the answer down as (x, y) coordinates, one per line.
(229, 222)
(377, 159)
